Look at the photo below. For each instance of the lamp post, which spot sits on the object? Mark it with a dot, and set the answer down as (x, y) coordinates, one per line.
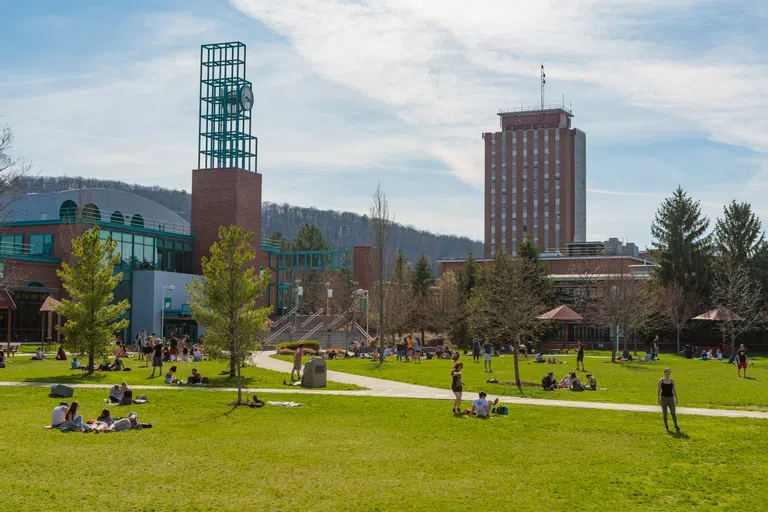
(170, 288)
(299, 292)
(328, 295)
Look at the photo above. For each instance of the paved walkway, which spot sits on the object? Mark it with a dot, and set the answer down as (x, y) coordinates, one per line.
(392, 389)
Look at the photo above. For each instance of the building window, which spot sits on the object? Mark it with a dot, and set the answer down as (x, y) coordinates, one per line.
(117, 218)
(11, 244)
(137, 221)
(91, 212)
(68, 211)
(41, 244)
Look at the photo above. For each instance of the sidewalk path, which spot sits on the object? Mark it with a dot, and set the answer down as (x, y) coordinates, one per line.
(392, 389)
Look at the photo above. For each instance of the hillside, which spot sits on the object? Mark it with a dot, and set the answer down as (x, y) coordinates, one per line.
(340, 229)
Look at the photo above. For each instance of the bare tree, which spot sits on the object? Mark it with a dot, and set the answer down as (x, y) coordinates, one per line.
(676, 307)
(444, 302)
(380, 230)
(736, 290)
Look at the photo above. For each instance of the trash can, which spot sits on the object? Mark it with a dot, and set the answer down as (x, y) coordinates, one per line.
(689, 351)
(314, 374)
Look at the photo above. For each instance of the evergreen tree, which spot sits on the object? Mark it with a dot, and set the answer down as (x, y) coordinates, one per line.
(681, 246)
(739, 234)
(421, 280)
(469, 277)
(309, 238)
(278, 237)
(225, 301)
(535, 271)
(92, 319)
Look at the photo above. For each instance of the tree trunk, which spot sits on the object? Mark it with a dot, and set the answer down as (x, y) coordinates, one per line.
(232, 365)
(422, 336)
(678, 341)
(634, 339)
(517, 370)
(91, 361)
(239, 387)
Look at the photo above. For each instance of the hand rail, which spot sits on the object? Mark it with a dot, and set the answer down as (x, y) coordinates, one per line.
(312, 317)
(284, 318)
(362, 331)
(313, 331)
(279, 332)
(332, 326)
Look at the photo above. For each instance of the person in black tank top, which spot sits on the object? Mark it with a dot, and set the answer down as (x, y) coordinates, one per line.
(667, 393)
(457, 386)
(580, 356)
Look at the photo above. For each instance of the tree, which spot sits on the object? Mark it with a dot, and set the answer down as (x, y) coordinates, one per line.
(739, 234)
(279, 239)
(309, 238)
(682, 249)
(380, 230)
(400, 298)
(12, 171)
(92, 319)
(421, 280)
(736, 290)
(676, 307)
(443, 305)
(505, 305)
(469, 276)
(225, 301)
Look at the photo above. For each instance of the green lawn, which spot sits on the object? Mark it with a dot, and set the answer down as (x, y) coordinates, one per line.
(360, 453)
(711, 384)
(22, 368)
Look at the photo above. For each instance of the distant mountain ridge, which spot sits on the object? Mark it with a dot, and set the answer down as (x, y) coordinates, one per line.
(340, 229)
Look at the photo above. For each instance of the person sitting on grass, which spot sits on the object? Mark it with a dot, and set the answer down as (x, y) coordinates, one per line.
(195, 378)
(591, 383)
(39, 355)
(126, 394)
(565, 383)
(185, 355)
(73, 421)
(703, 355)
(719, 355)
(61, 355)
(197, 356)
(75, 364)
(115, 394)
(59, 415)
(648, 356)
(170, 377)
(539, 358)
(105, 417)
(625, 356)
(118, 365)
(2, 359)
(549, 383)
(480, 406)
(576, 383)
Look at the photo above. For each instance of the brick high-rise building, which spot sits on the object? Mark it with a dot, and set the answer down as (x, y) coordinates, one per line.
(535, 181)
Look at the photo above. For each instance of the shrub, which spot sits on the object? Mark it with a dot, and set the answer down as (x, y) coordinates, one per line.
(309, 352)
(293, 345)
(285, 352)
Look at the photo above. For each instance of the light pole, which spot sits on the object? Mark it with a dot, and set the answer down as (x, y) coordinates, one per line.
(299, 293)
(328, 295)
(170, 288)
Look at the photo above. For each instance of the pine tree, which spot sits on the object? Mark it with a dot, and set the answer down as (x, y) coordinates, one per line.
(421, 280)
(309, 238)
(92, 319)
(225, 301)
(682, 247)
(739, 234)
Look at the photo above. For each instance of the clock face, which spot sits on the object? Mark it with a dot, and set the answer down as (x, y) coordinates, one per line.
(246, 97)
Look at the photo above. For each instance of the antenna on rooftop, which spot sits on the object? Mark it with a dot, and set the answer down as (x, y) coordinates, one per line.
(543, 83)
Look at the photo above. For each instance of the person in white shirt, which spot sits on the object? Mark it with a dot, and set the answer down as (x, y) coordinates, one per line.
(480, 406)
(59, 414)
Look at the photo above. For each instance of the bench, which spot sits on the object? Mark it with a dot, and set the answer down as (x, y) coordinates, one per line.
(10, 349)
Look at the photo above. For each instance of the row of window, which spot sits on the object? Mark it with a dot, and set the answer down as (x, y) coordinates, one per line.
(151, 252)
(37, 244)
(68, 212)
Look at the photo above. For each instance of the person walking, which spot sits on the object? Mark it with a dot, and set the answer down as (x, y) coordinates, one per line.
(157, 359)
(457, 386)
(741, 360)
(487, 355)
(297, 357)
(580, 356)
(667, 392)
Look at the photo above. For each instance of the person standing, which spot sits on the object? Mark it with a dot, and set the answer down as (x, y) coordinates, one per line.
(457, 386)
(476, 350)
(417, 350)
(408, 349)
(667, 392)
(157, 359)
(580, 356)
(655, 350)
(741, 360)
(297, 357)
(487, 355)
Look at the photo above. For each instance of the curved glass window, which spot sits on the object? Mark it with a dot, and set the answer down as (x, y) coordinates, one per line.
(91, 212)
(117, 218)
(137, 221)
(68, 211)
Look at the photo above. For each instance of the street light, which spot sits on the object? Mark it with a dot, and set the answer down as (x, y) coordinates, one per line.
(170, 288)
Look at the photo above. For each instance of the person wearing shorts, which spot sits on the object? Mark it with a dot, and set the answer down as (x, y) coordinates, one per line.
(157, 359)
(146, 349)
(457, 386)
(297, 357)
(580, 356)
(667, 394)
(741, 360)
(487, 355)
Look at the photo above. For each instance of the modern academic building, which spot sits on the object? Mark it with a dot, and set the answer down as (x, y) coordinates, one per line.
(160, 252)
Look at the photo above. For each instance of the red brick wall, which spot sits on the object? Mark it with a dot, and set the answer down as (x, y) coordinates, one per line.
(365, 265)
(224, 197)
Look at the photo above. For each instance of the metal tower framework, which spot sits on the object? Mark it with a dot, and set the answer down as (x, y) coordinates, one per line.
(224, 138)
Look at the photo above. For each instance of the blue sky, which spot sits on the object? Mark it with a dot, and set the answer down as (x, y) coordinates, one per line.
(349, 93)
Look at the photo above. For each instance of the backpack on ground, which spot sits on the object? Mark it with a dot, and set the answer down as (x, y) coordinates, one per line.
(500, 409)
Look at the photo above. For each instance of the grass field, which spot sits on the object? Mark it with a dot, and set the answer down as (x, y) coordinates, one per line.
(22, 368)
(711, 384)
(361, 453)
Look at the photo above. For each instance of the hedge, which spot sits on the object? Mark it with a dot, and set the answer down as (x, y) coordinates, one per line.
(293, 345)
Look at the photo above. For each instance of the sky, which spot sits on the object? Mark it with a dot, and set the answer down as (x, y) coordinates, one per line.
(349, 94)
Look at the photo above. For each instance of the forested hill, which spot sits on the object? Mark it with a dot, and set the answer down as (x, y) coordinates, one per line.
(340, 229)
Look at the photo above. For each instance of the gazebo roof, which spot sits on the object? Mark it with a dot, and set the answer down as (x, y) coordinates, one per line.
(561, 313)
(719, 314)
(49, 305)
(6, 301)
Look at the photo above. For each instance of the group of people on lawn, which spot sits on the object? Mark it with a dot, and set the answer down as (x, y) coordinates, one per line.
(67, 418)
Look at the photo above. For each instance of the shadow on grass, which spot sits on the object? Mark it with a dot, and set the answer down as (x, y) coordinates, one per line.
(633, 365)
(78, 378)
(678, 435)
